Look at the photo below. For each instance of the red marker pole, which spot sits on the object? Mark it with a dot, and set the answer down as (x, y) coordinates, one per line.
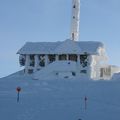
(18, 89)
(85, 102)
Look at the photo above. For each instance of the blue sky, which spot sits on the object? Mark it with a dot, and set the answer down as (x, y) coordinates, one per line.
(43, 20)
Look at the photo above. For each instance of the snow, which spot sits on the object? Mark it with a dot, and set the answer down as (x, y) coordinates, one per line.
(61, 47)
(57, 69)
(68, 47)
(38, 47)
(116, 76)
(60, 99)
(93, 48)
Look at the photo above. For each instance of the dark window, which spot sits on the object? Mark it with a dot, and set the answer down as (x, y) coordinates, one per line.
(31, 57)
(66, 77)
(30, 71)
(73, 36)
(73, 73)
(57, 73)
(51, 58)
(73, 57)
(22, 60)
(83, 71)
(42, 60)
(84, 60)
(62, 57)
(32, 61)
(73, 17)
(42, 63)
(74, 6)
(105, 72)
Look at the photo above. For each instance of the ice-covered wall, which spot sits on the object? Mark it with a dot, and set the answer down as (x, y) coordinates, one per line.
(97, 62)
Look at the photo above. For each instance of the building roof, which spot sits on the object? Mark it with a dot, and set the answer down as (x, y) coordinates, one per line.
(63, 47)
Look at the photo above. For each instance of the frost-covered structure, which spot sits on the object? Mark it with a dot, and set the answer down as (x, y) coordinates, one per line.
(66, 59)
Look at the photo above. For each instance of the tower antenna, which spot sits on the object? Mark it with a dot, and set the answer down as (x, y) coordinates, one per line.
(75, 20)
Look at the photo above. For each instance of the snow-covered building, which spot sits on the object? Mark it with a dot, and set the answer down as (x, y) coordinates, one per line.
(87, 58)
(69, 58)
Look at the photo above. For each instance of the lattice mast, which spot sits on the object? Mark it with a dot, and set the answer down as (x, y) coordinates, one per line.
(75, 20)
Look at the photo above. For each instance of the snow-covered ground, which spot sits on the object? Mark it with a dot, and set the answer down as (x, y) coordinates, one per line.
(60, 99)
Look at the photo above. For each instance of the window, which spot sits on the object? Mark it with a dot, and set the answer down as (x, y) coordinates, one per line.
(31, 57)
(74, 6)
(83, 71)
(62, 57)
(57, 73)
(42, 63)
(32, 61)
(73, 57)
(30, 71)
(22, 60)
(42, 60)
(84, 60)
(73, 74)
(105, 72)
(51, 58)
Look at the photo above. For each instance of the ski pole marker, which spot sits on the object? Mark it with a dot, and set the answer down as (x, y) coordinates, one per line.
(85, 102)
(18, 89)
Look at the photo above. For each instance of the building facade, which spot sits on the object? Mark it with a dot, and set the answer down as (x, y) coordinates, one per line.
(90, 59)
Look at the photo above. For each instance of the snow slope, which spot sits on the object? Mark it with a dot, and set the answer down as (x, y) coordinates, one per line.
(54, 69)
(59, 99)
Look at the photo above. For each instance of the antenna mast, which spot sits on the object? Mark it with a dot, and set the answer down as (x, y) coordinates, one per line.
(75, 20)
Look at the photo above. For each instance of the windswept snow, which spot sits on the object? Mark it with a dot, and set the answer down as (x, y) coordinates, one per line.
(56, 70)
(59, 99)
(65, 47)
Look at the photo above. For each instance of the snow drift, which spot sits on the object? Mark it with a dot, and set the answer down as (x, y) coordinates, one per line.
(60, 99)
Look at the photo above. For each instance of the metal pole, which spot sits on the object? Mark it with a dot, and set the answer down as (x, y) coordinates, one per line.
(18, 97)
(85, 103)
